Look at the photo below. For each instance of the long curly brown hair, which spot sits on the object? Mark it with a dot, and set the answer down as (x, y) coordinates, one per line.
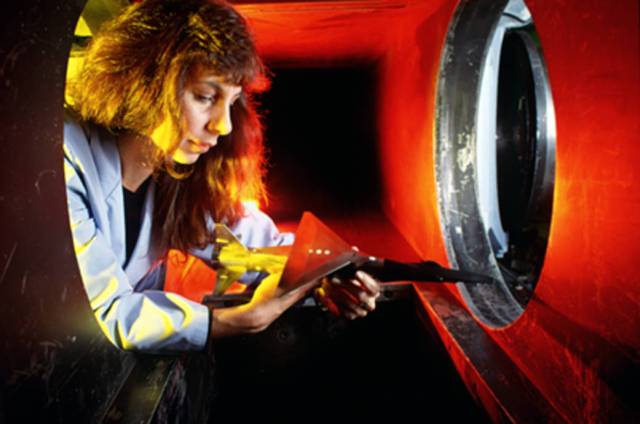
(133, 76)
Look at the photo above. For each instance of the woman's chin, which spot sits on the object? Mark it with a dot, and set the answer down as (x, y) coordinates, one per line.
(184, 158)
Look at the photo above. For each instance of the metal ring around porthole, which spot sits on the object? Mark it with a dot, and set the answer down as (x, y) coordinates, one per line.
(495, 154)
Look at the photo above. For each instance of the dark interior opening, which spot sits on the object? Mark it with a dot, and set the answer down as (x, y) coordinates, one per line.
(311, 366)
(517, 146)
(516, 133)
(322, 141)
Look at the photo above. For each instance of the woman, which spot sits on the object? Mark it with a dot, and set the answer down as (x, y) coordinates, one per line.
(163, 140)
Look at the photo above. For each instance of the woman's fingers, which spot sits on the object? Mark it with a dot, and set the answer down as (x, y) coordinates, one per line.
(323, 297)
(369, 283)
(363, 288)
(354, 297)
(367, 300)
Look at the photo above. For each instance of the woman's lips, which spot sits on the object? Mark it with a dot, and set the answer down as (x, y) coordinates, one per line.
(199, 147)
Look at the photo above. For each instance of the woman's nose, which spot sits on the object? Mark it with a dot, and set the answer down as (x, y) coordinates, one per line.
(220, 122)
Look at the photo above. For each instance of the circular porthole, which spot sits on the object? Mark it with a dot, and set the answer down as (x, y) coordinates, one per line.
(495, 154)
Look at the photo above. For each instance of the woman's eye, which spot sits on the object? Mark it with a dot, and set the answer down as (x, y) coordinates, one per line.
(204, 98)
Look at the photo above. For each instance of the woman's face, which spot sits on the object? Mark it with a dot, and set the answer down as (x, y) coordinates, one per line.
(206, 101)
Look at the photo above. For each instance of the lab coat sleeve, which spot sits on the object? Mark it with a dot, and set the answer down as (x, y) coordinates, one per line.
(257, 229)
(151, 320)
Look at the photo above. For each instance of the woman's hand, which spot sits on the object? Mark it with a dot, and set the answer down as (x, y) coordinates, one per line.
(266, 305)
(349, 297)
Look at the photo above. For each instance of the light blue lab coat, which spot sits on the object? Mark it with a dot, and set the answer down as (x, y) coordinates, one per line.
(128, 302)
